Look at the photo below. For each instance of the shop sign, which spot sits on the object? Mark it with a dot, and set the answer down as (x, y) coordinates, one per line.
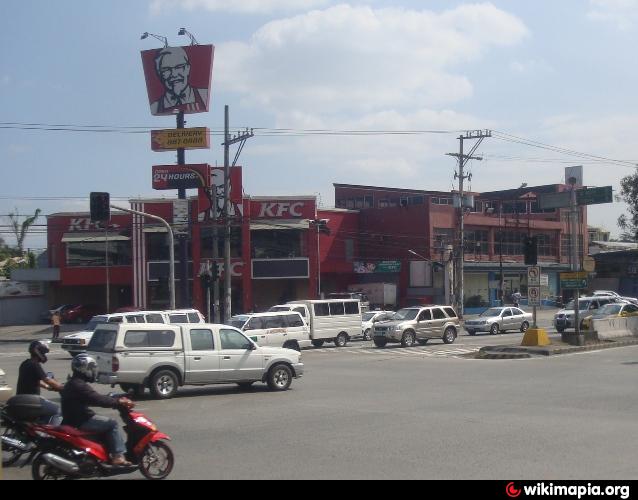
(387, 266)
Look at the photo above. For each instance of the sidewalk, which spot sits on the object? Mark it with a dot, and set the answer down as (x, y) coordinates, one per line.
(29, 333)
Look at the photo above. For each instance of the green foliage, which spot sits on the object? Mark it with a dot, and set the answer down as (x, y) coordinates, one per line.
(20, 229)
(629, 194)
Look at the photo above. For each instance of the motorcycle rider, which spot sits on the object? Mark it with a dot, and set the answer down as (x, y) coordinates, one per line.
(78, 396)
(32, 378)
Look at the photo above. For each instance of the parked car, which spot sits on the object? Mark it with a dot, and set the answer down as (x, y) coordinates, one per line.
(165, 357)
(499, 319)
(617, 310)
(609, 293)
(46, 315)
(5, 391)
(566, 318)
(420, 324)
(81, 313)
(369, 318)
(76, 343)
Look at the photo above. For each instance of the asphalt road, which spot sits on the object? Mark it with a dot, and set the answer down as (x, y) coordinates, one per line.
(420, 413)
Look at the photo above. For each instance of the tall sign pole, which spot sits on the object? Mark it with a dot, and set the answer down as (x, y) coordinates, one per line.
(580, 338)
(183, 239)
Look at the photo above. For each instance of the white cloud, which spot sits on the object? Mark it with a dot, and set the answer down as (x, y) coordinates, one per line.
(622, 13)
(531, 67)
(359, 59)
(238, 6)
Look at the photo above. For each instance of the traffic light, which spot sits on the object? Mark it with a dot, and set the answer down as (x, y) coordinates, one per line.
(206, 280)
(530, 250)
(214, 270)
(100, 207)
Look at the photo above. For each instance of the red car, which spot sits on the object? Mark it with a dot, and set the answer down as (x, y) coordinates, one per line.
(82, 313)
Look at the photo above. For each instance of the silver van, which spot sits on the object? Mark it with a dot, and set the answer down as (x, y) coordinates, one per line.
(285, 329)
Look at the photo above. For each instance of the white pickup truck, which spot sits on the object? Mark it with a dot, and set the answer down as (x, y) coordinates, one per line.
(165, 357)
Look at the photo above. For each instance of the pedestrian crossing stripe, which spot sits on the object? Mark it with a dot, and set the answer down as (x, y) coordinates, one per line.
(401, 352)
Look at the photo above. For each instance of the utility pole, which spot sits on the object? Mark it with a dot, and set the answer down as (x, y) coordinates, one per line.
(228, 141)
(183, 239)
(479, 135)
(575, 258)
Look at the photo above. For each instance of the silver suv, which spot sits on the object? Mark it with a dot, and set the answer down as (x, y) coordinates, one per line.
(418, 324)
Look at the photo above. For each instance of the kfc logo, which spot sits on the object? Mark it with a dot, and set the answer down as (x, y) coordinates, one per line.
(281, 209)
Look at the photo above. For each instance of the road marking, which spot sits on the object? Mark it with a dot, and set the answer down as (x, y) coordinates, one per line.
(405, 352)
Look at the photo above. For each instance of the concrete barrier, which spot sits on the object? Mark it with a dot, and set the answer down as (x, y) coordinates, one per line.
(613, 328)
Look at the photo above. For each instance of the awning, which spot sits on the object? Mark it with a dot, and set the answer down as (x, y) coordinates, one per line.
(92, 237)
(279, 224)
(155, 229)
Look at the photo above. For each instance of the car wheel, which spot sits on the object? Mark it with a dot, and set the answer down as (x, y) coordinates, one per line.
(164, 384)
(136, 389)
(279, 378)
(494, 329)
(408, 339)
(524, 326)
(366, 335)
(380, 343)
(317, 343)
(449, 335)
(341, 340)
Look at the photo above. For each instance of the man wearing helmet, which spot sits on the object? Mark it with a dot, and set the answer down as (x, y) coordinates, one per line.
(78, 396)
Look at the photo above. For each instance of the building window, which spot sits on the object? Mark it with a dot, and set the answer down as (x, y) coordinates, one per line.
(566, 245)
(206, 240)
(476, 242)
(436, 200)
(509, 243)
(368, 202)
(350, 204)
(546, 246)
(416, 200)
(514, 207)
(443, 237)
(384, 203)
(273, 244)
(93, 253)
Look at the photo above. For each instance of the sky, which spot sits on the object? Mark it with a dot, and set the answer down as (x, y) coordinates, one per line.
(538, 74)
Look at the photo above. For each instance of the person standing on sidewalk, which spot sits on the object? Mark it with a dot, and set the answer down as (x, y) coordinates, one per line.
(55, 321)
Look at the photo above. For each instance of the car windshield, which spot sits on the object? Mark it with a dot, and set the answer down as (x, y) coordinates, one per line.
(608, 310)
(237, 321)
(96, 320)
(583, 305)
(492, 311)
(367, 316)
(405, 314)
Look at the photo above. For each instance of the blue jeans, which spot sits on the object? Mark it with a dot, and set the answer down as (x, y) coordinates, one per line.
(111, 431)
(52, 413)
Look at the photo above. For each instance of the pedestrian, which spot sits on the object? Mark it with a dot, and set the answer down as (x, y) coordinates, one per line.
(55, 321)
(516, 297)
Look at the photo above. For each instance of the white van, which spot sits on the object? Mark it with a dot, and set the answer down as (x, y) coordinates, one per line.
(331, 320)
(285, 329)
(77, 342)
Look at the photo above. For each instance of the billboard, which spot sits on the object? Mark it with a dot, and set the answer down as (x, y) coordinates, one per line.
(181, 176)
(180, 138)
(178, 78)
(206, 211)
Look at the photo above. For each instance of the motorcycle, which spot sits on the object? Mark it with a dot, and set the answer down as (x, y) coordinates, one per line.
(70, 453)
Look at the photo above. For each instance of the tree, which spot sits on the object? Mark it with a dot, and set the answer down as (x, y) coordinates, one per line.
(629, 194)
(20, 229)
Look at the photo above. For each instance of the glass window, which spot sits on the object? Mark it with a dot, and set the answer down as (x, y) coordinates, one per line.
(206, 242)
(274, 321)
(337, 309)
(232, 339)
(116, 319)
(294, 320)
(193, 318)
(93, 253)
(136, 339)
(352, 307)
(162, 338)
(154, 318)
(277, 244)
(300, 310)
(368, 202)
(438, 313)
(321, 309)
(137, 318)
(177, 318)
(507, 313)
(450, 312)
(202, 340)
(102, 341)
(425, 315)
(517, 312)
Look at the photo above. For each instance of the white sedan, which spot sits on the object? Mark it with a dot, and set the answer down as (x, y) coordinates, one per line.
(499, 319)
(369, 318)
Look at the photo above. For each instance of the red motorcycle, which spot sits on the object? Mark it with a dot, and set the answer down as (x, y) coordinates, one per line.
(69, 453)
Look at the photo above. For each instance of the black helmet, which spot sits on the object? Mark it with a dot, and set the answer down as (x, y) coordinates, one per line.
(39, 350)
(85, 367)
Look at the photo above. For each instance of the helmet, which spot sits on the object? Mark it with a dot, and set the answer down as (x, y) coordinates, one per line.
(85, 367)
(39, 350)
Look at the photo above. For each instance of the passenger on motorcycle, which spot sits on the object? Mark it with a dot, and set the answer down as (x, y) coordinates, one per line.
(32, 378)
(78, 396)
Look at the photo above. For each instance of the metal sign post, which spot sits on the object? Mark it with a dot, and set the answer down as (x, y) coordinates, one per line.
(534, 289)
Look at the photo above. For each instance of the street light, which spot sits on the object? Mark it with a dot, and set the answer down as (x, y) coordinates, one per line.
(163, 39)
(418, 255)
(322, 227)
(182, 31)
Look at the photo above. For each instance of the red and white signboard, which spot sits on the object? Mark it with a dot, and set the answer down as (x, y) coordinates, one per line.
(205, 198)
(181, 176)
(178, 78)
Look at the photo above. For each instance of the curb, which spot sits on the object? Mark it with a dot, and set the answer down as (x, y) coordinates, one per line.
(510, 352)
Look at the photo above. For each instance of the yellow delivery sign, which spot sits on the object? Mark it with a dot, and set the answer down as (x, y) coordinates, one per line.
(180, 138)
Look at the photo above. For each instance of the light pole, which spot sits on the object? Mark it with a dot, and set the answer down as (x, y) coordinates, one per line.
(322, 227)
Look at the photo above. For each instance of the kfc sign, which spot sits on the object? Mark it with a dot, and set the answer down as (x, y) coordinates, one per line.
(281, 209)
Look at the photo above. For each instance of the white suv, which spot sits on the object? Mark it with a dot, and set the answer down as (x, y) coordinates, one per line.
(77, 342)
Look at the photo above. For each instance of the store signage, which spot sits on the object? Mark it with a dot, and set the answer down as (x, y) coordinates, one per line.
(594, 196)
(281, 209)
(387, 266)
(574, 280)
(178, 79)
(180, 138)
(181, 176)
